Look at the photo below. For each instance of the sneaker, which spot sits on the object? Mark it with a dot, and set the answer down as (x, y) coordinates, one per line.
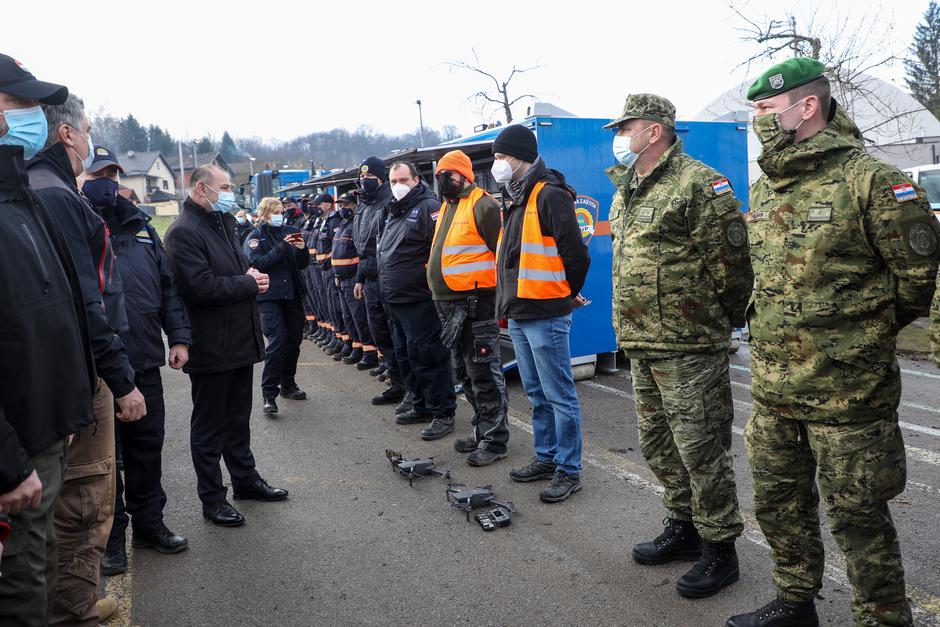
(484, 457)
(439, 427)
(561, 488)
(412, 418)
(293, 392)
(533, 472)
(269, 407)
(678, 541)
(466, 445)
(715, 569)
(779, 613)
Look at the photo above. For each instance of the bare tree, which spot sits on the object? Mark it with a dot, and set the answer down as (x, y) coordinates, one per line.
(500, 96)
(851, 49)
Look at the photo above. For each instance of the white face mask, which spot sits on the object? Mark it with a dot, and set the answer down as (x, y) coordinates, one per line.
(502, 171)
(90, 156)
(400, 190)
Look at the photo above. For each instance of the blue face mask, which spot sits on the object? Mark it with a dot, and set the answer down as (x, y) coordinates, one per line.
(241, 220)
(276, 219)
(622, 151)
(27, 128)
(346, 213)
(102, 192)
(225, 203)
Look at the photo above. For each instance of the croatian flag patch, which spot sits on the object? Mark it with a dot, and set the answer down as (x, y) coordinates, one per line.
(721, 186)
(435, 215)
(904, 191)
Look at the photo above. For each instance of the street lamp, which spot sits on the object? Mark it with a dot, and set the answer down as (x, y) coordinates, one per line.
(420, 121)
(251, 179)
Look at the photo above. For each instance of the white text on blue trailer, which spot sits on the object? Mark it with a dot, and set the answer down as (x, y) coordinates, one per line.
(581, 149)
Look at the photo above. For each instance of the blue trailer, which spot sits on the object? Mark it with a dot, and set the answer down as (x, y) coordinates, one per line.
(581, 149)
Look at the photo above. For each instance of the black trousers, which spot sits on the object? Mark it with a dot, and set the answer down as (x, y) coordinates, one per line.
(314, 278)
(139, 493)
(477, 365)
(333, 298)
(282, 322)
(424, 361)
(380, 327)
(354, 311)
(219, 428)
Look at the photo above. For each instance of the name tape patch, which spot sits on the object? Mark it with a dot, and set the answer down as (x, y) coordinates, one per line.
(819, 214)
(645, 214)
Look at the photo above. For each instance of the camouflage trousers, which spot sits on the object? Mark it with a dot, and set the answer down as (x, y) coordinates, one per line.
(684, 414)
(859, 468)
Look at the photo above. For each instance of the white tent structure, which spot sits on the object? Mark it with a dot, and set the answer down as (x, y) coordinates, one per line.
(896, 127)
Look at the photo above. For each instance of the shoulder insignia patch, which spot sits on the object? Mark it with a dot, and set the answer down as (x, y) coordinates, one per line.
(922, 239)
(252, 244)
(904, 192)
(736, 232)
(435, 215)
(721, 186)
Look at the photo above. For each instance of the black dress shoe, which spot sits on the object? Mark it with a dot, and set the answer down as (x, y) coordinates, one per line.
(259, 490)
(114, 560)
(222, 513)
(161, 540)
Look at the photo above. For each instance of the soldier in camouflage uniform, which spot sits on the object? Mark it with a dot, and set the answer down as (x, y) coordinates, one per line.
(935, 324)
(681, 281)
(844, 250)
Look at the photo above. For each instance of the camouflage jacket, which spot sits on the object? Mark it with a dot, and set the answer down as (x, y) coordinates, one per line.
(844, 250)
(681, 271)
(935, 324)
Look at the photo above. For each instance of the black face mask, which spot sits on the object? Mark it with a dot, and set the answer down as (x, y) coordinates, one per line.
(346, 213)
(370, 186)
(448, 186)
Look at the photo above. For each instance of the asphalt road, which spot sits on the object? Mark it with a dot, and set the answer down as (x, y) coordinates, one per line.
(355, 545)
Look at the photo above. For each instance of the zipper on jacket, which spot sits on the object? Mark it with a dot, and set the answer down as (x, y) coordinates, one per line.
(42, 264)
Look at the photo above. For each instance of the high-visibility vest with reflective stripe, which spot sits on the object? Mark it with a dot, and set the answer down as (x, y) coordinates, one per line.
(541, 269)
(467, 263)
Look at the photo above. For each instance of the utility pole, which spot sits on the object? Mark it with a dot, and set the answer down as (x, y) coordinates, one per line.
(179, 144)
(420, 122)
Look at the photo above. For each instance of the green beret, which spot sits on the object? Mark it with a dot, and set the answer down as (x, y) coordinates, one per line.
(784, 77)
(646, 107)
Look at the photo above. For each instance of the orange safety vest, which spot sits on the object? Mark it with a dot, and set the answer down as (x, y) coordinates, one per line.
(467, 263)
(541, 270)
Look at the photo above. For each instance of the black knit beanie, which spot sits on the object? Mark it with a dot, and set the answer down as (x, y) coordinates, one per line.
(517, 141)
(374, 165)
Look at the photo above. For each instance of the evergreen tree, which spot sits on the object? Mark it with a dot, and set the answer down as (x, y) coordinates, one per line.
(228, 149)
(161, 141)
(923, 68)
(205, 145)
(133, 136)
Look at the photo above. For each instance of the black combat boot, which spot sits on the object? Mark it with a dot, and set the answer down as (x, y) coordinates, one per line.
(114, 560)
(779, 613)
(354, 357)
(678, 541)
(439, 427)
(291, 391)
(406, 404)
(390, 395)
(269, 407)
(344, 352)
(336, 346)
(715, 569)
(414, 417)
(378, 370)
(369, 361)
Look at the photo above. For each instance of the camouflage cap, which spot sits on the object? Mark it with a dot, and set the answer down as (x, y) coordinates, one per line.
(784, 77)
(646, 107)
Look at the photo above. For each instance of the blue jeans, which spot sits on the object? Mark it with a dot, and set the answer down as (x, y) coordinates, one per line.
(544, 360)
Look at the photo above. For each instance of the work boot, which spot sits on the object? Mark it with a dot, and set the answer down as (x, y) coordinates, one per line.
(379, 369)
(413, 417)
(406, 404)
(678, 541)
(561, 487)
(114, 560)
(336, 346)
(106, 608)
(344, 352)
(269, 407)
(466, 445)
(779, 613)
(383, 377)
(715, 569)
(389, 396)
(484, 457)
(325, 339)
(293, 392)
(439, 427)
(354, 357)
(533, 472)
(369, 361)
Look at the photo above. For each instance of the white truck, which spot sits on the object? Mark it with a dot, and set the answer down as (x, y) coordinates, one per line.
(928, 177)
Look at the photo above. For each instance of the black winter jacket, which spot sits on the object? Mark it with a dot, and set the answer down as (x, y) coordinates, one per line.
(267, 251)
(557, 219)
(51, 177)
(405, 245)
(344, 248)
(46, 362)
(220, 299)
(150, 297)
(370, 217)
(325, 235)
(242, 230)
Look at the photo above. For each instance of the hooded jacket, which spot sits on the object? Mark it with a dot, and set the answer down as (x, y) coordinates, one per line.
(268, 252)
(845, 251)
(46, 362)
(370, 216)
(151, 300)
(51, 177)
(557, 218)
(405, 245)
(220, 299)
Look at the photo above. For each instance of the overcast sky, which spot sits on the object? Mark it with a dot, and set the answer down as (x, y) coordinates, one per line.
(278, 69)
